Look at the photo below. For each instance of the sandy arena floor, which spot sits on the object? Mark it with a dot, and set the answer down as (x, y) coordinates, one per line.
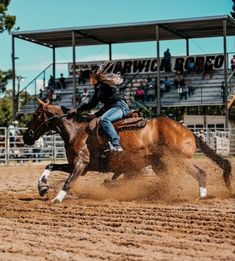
(143, 219)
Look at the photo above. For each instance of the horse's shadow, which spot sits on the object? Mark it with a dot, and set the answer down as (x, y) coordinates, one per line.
(27, 199)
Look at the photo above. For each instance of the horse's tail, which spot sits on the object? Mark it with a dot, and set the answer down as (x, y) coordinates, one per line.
(224, 164)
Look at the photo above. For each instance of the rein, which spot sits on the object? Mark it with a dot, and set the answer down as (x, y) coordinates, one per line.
(32, 133)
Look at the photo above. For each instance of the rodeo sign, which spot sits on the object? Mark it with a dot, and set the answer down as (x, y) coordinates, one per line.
(149, 65)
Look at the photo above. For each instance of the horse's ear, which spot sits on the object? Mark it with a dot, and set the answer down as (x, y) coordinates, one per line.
(41, 102)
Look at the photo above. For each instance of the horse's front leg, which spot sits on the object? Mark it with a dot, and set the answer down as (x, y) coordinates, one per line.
(42, 180)
(80, 165)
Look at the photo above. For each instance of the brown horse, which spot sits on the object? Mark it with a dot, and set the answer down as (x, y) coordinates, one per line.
(142, 147)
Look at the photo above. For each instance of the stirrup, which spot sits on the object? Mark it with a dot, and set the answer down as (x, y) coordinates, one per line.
(112, 149)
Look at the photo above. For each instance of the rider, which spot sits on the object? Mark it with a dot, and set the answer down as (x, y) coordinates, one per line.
(115, 107)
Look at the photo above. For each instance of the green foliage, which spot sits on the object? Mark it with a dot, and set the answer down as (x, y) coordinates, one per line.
(6, 24)
(233, 8)
(24, 119)
(6, 110)
(4, 77)
(6, 21)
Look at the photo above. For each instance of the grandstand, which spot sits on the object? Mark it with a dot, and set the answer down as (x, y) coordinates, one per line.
(207, 92)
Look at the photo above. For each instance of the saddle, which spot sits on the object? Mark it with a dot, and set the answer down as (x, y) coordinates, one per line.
(131, 121)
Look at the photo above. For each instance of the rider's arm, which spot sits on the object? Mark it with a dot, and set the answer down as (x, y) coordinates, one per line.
(91, 104)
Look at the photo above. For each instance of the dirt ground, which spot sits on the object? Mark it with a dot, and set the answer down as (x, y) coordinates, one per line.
(148, 218)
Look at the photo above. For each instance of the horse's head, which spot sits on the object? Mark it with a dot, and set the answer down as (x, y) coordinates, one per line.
(41, 122)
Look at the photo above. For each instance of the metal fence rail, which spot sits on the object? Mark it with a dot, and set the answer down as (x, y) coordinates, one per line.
(12, 149)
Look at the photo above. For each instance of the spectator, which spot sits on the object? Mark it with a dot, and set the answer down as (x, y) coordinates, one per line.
(178, 80)
(202, 135)
(167, 61)
(185, 91)
(208, 69)
(167, 83)
(199, 65)
(13, 132)
(51, 82)
(191, 89)
(232, 62)
(180, 91)
(50, 94)
(139, 94)
(151, 93)
(162, 88)
(40, 94)
(81, 79)
(191, 66)
(77, 99)
(62, 81)
(145, 88)
(85, 96)
(179, 66)
(37, 149)
(58, 87)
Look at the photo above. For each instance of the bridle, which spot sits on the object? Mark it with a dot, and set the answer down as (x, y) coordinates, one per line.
(32, 133)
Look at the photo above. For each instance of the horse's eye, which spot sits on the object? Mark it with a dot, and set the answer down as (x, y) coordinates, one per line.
(31, 133)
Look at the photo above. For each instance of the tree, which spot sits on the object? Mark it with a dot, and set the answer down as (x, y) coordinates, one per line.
(6, 21)
(6, 109)
(6, 24)
(233, 13)
(4, 77)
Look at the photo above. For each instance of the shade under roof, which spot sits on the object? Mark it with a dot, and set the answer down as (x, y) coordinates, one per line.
(198, 27)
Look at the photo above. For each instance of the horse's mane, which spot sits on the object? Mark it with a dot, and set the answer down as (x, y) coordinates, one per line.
(77, 117)
(64, 109)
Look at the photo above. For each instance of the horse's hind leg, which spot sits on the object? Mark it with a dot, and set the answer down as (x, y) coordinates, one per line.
(116, 175)
(42, 181)
(200, 175)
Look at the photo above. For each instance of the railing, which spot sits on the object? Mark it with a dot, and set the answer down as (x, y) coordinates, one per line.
(13, 150)
(30, 90)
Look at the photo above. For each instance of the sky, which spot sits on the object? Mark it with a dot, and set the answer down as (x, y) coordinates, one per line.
(49, 14)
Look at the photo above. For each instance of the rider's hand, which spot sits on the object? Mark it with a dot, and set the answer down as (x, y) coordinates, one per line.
(72, 113)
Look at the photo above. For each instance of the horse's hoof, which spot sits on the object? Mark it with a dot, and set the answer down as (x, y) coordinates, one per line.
(43, 189)
(107, 181)
(110, 183)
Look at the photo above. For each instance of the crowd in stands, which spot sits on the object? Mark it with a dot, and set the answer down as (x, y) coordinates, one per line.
(184, 89)
(147, 89)
(53, 89)
(147, 92)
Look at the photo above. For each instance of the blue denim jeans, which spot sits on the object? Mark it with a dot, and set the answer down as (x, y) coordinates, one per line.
(119, 110)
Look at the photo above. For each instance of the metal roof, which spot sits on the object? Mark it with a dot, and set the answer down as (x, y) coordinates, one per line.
(198, 27)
